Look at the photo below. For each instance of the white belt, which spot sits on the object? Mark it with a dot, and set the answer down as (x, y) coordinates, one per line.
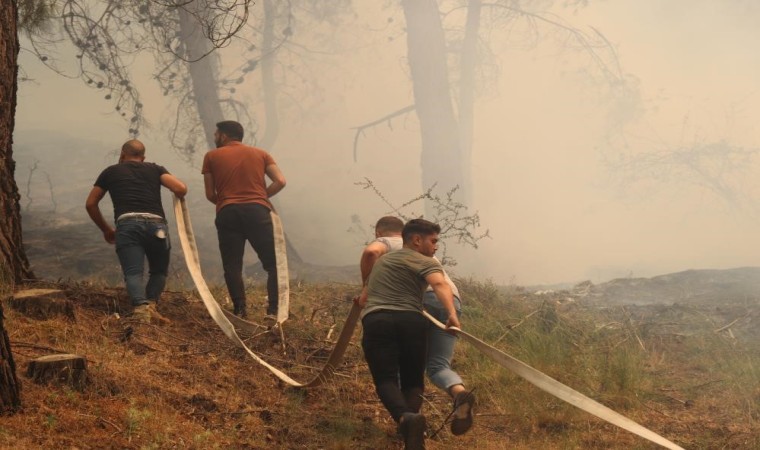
(140, 215)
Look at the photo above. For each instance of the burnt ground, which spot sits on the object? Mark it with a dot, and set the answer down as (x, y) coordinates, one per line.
(678, 353)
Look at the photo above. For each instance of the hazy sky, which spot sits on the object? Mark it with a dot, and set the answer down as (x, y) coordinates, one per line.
(555, 211)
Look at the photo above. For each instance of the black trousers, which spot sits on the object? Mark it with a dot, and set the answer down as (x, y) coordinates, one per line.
(236, 224)
(394, 344)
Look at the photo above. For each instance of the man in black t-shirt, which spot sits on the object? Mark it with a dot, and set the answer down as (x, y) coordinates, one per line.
(141, 230)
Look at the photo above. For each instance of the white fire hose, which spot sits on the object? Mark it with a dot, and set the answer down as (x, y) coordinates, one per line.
(224, 319)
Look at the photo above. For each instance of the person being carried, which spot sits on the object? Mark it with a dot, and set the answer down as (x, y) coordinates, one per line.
(440, 347)
(395, 331)
(141, 231)
(234, 178)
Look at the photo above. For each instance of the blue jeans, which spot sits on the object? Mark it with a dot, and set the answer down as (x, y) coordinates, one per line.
(137, 239)
(440, 349)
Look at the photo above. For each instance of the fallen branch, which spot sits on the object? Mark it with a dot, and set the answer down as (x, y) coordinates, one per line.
(512, 327)
(329, 333)
(726, 327)
(102, 420)
(657, 411)
(315, 311)
(37, 347)
(229, 413)
(699, 386)
(633, 329)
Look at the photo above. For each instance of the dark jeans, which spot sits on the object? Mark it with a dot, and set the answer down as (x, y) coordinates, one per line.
(137, 239)
(394, 344)
(236, 224)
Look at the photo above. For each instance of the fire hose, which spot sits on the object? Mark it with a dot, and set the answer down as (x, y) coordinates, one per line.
(225, 321)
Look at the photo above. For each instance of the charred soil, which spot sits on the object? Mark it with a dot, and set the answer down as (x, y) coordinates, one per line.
(688, 372)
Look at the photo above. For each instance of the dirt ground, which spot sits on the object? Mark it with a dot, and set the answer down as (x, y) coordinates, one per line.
(184, 385)
(679, 354)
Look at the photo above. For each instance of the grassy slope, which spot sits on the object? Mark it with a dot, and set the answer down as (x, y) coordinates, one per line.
(184, 385)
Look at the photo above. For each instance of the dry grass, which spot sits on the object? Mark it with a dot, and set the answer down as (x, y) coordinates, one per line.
(184, 385)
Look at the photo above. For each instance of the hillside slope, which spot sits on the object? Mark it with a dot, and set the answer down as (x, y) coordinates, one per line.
(184, 385)
(688, 286)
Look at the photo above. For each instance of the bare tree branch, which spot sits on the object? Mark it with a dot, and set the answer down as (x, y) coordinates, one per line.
(452, 216)
(387, 118)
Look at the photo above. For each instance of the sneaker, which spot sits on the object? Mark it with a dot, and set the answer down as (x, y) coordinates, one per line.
(156, 316)
(412, 428)
(463, 404)
(141, 313)
(270, 318)
(240, 311)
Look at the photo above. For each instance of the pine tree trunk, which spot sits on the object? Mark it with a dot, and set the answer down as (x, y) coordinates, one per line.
(10, 397)
(468, 61)
(202, 65)
(442, 162)
(268, 80)
(14, 266)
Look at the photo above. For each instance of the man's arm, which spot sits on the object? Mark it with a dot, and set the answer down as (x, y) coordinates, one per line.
(208, 181)
(174, 184)
(371, 253)
(445, 296)
(93, 209)
(361, 299)
(278, 179)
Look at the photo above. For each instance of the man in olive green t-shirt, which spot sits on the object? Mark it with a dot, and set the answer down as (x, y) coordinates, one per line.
(395, 331)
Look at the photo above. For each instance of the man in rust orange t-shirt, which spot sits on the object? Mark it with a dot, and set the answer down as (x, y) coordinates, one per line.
(234, 176)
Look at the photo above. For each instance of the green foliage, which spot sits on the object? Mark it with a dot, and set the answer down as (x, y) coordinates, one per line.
(622, 371)
(50, 420)
(341, 427)
(295, 398)
(671, 359)
(535, 331)
(135, 418)
(203, 439)
(736, 362)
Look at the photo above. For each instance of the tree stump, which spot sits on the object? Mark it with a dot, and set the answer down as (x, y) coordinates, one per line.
(10, 398)
(64, 369)
(42, 303)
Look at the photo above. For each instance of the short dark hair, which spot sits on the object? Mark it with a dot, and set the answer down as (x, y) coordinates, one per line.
(232, 129)
(389, 224)
(419, 226)
(133, 148)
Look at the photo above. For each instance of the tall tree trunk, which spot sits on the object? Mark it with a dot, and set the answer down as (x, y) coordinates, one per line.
(12, 256)
(271, 108)
(10, 396)
(203, 70)
(268, 82)
(13, 261)
(441, 158)
(467, 63)
(269, 91)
